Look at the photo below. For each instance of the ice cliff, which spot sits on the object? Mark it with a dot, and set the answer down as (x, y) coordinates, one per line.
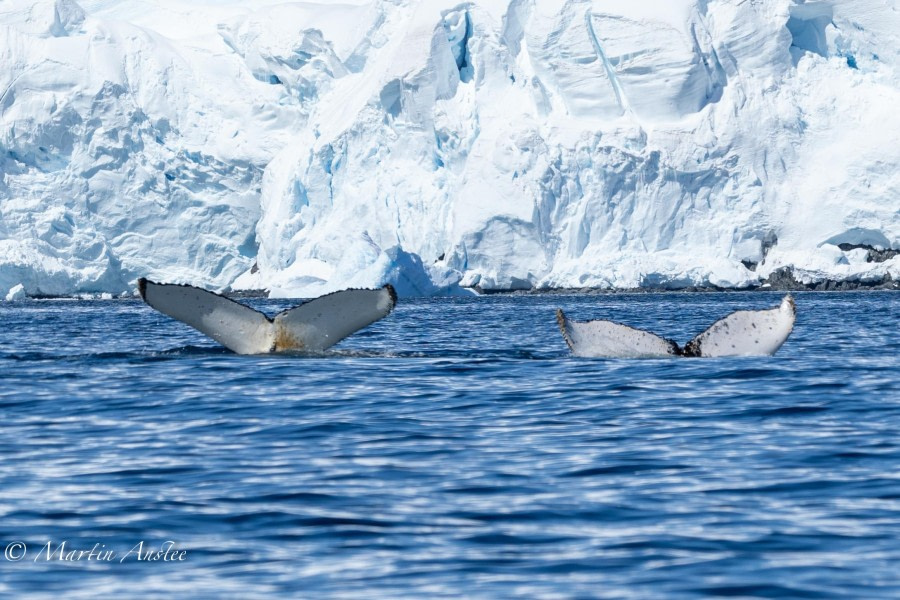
(497, 144)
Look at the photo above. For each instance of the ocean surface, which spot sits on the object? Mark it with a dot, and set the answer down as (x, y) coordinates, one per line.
(454, 449)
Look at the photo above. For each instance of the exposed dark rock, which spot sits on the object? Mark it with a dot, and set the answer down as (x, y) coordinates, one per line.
(781, 279)
(246, 294)
(873, 254)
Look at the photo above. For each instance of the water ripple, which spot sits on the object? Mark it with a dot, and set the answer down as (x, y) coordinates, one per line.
(456, 449)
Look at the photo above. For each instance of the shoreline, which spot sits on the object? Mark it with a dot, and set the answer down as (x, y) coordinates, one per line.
(829, 286)
(781, 280)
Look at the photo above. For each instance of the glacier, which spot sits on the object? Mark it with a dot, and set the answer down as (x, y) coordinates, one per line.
(446, 146)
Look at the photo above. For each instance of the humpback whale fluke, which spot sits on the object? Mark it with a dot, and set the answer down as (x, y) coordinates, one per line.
(313, 326)
(742, 333)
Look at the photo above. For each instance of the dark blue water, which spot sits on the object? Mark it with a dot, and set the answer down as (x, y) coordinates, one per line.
(454, 449)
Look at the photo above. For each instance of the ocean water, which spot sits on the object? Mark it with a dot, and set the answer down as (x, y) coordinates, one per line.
(454, 449)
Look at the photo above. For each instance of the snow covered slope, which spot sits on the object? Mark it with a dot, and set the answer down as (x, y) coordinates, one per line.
(504, 144)
(124, 151)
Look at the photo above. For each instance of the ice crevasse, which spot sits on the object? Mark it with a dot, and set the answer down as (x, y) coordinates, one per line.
(307, 147)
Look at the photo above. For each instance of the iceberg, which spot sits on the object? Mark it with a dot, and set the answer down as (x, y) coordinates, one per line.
(442, 146)
(16, 293)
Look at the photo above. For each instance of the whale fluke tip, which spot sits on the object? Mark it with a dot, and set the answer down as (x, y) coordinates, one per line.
(390, 289)
(561, 321)
(788, 304)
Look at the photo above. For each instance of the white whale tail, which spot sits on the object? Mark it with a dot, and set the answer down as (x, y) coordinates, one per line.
(310, 327)
(742, 333)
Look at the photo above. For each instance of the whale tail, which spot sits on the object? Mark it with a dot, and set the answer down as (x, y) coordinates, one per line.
(313, 326)
(742, 333)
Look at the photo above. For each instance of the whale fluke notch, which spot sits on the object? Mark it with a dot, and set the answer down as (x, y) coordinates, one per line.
(742, 333)
(311, 327)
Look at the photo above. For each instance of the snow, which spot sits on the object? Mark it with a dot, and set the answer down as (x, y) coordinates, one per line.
(304, 147)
